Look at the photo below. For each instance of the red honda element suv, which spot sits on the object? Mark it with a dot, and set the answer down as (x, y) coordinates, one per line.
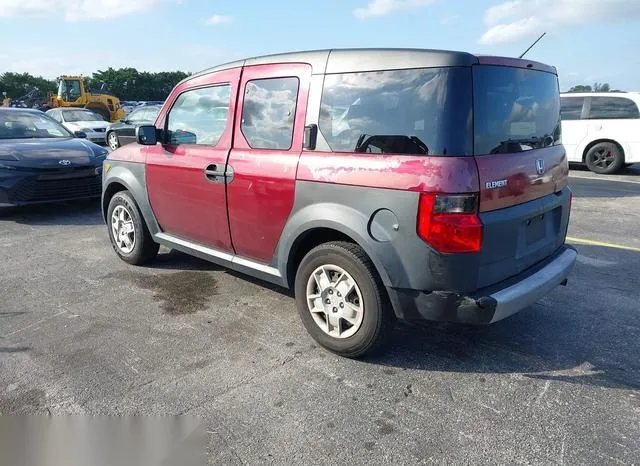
(379, 184)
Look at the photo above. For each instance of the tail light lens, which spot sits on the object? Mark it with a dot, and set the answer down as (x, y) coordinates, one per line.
(450, 222)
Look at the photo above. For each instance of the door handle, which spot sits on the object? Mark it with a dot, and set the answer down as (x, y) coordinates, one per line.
(218, 173)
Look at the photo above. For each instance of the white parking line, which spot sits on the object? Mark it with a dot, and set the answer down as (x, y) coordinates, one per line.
(603, 179)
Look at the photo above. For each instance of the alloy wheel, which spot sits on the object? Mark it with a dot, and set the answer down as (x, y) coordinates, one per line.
(335, 301)
(123, 229)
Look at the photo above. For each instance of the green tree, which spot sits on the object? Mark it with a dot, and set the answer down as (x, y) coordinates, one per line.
(581, 88)
(18, 84)
(597, 87)
(130, 84)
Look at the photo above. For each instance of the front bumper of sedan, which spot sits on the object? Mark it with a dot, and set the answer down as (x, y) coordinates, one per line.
(97, 136)
(26, 186)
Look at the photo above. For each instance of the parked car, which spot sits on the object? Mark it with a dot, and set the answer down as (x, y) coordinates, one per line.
(432, 192)
(602, 129)
(81, 119)
(41, 161)
(123, 132)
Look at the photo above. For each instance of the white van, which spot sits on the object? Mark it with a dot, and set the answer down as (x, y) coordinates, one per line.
(601, 129)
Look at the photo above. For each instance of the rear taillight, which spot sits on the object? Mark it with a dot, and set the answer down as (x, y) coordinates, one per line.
(450, 222)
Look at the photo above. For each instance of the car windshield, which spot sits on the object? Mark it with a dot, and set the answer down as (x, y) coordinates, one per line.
(515, 109)
(30, 125)
(71, 116)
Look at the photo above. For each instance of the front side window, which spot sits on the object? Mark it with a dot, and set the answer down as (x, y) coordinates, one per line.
(199, 116)
(571, 108)
(145, 115)
(268, 112)
(610, 108)
(414, 111)
(515, 109)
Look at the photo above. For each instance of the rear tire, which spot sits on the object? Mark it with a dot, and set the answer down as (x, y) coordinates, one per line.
(605, 158)
(128, 232)
(351, 315)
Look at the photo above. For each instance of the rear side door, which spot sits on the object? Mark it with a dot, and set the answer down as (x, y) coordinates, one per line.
(614, 118)
(267, 145)
(575, 126)
(185, 174)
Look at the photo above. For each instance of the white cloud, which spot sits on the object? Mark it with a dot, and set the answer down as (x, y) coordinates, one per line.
(386, 7)
(449, 19)
(218, 19)
(75, 10)
(516, 20)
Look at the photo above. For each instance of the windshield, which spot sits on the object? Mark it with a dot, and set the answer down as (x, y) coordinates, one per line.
(515, 109)
(28, 125)
(71, 116)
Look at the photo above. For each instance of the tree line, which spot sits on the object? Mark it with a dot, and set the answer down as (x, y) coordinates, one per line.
(597, 87)
(124, 83)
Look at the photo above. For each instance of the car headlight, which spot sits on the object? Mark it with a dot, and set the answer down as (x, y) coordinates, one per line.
(100, 152)
(4, 166)
(86, 130)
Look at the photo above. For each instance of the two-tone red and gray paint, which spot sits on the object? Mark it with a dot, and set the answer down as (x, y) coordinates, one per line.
(273, 206)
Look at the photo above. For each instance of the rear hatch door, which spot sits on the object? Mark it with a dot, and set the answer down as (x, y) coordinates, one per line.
(522, 167)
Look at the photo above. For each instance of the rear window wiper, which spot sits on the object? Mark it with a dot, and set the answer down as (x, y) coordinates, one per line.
(534, 141)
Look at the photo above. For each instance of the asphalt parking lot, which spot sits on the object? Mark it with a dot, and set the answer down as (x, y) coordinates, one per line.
(81, 332)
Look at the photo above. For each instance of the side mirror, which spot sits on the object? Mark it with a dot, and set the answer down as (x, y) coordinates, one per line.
(146, 135)
(80, 134)
(310, 137)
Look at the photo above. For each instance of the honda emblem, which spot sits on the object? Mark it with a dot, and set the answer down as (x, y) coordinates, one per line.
(540, 166)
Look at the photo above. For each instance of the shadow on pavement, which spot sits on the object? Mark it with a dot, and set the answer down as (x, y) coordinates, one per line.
(178, 261)
(588, 331)
(85, 212)
(587, 188)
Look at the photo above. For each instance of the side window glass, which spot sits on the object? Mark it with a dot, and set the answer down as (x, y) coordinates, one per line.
(571, 108)
(199, 116)
(268, 112)
(607, 108)
(414, 112)
(134, 116)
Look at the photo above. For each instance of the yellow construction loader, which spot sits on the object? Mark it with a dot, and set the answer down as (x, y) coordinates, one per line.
(72, 92)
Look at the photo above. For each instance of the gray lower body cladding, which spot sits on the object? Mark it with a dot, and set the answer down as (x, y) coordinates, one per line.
(507, 275)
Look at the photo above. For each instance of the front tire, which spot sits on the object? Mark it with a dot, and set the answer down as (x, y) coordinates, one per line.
(113, 141)
(605, 158)
(129, 235)
(341, 300)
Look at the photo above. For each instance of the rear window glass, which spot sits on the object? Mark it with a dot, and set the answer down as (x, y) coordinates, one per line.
(515, 109)
(416, 111)
(571, 108)
(608, 108)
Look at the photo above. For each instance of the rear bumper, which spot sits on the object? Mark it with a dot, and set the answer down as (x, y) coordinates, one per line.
(632, 152)
(491, 304)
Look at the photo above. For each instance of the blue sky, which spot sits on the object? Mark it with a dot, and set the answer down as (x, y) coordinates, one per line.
(587, 40)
